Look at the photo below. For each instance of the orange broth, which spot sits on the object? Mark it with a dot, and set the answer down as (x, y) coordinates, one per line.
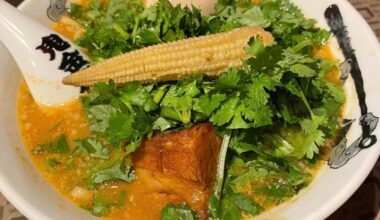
(41, 125)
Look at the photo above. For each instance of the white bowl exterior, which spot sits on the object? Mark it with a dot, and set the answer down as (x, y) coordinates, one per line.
(23, 186)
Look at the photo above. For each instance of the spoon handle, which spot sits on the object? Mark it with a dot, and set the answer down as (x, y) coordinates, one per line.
(43, 56)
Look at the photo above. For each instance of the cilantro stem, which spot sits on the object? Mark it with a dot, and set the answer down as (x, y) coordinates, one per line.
(186, 116)
(130, 107)
(303, 97)
(134, 31)
(172, 113)
(301, 45)
(159, 94)
(221, 164)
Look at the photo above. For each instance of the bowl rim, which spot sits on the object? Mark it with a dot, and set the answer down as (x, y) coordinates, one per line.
(336, 201)
(347, 190)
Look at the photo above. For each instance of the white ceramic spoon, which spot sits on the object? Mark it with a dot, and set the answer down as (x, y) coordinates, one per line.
(43, 56)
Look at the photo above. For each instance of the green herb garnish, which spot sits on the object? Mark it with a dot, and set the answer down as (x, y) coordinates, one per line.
(179, 212)
(59, 146)
(279, 108)
(118, 171)
(93, 147)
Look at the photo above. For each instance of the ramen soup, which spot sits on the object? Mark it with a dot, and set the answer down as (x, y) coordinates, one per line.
(228, 147)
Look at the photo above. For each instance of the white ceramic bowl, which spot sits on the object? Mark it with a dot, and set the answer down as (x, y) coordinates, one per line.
(23, 186)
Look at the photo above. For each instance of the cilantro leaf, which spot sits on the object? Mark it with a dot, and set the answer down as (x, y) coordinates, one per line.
(99, 115)
(214, 207)
(269, 181)
(267, 60)
(255, 106)
(207, 105)
(229, 79)
(238, 121)
(100, 206)
(148, 37)
(93, 147)
(59, 146)
(253, 17)
(296, 176)
(118, 171)
(256, 47)
(226, 112)
(133, 145)
(180, 99)
(282, 147)
(302, 70)
(179, 212)
(313, 141)
(117, 26)
(275, 192)
(102, 92)
(245, 203)
(120, 128)
(257, 89)
(162, 124)
(333, 96)
(135, 94)
(314, 136)
(229, 210)
(182, 107)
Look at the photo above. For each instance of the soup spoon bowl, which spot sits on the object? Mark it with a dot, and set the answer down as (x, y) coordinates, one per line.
(43, 56)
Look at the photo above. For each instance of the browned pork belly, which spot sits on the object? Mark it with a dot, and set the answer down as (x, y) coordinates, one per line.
(181, 163)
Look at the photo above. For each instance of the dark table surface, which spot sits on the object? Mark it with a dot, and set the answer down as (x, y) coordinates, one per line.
(363, 205)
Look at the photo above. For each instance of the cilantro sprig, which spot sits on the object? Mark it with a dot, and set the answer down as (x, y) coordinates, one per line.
(280, 105)
(245, 98)
(119, 26)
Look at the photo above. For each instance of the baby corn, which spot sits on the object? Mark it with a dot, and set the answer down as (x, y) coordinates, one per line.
(210, 54)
